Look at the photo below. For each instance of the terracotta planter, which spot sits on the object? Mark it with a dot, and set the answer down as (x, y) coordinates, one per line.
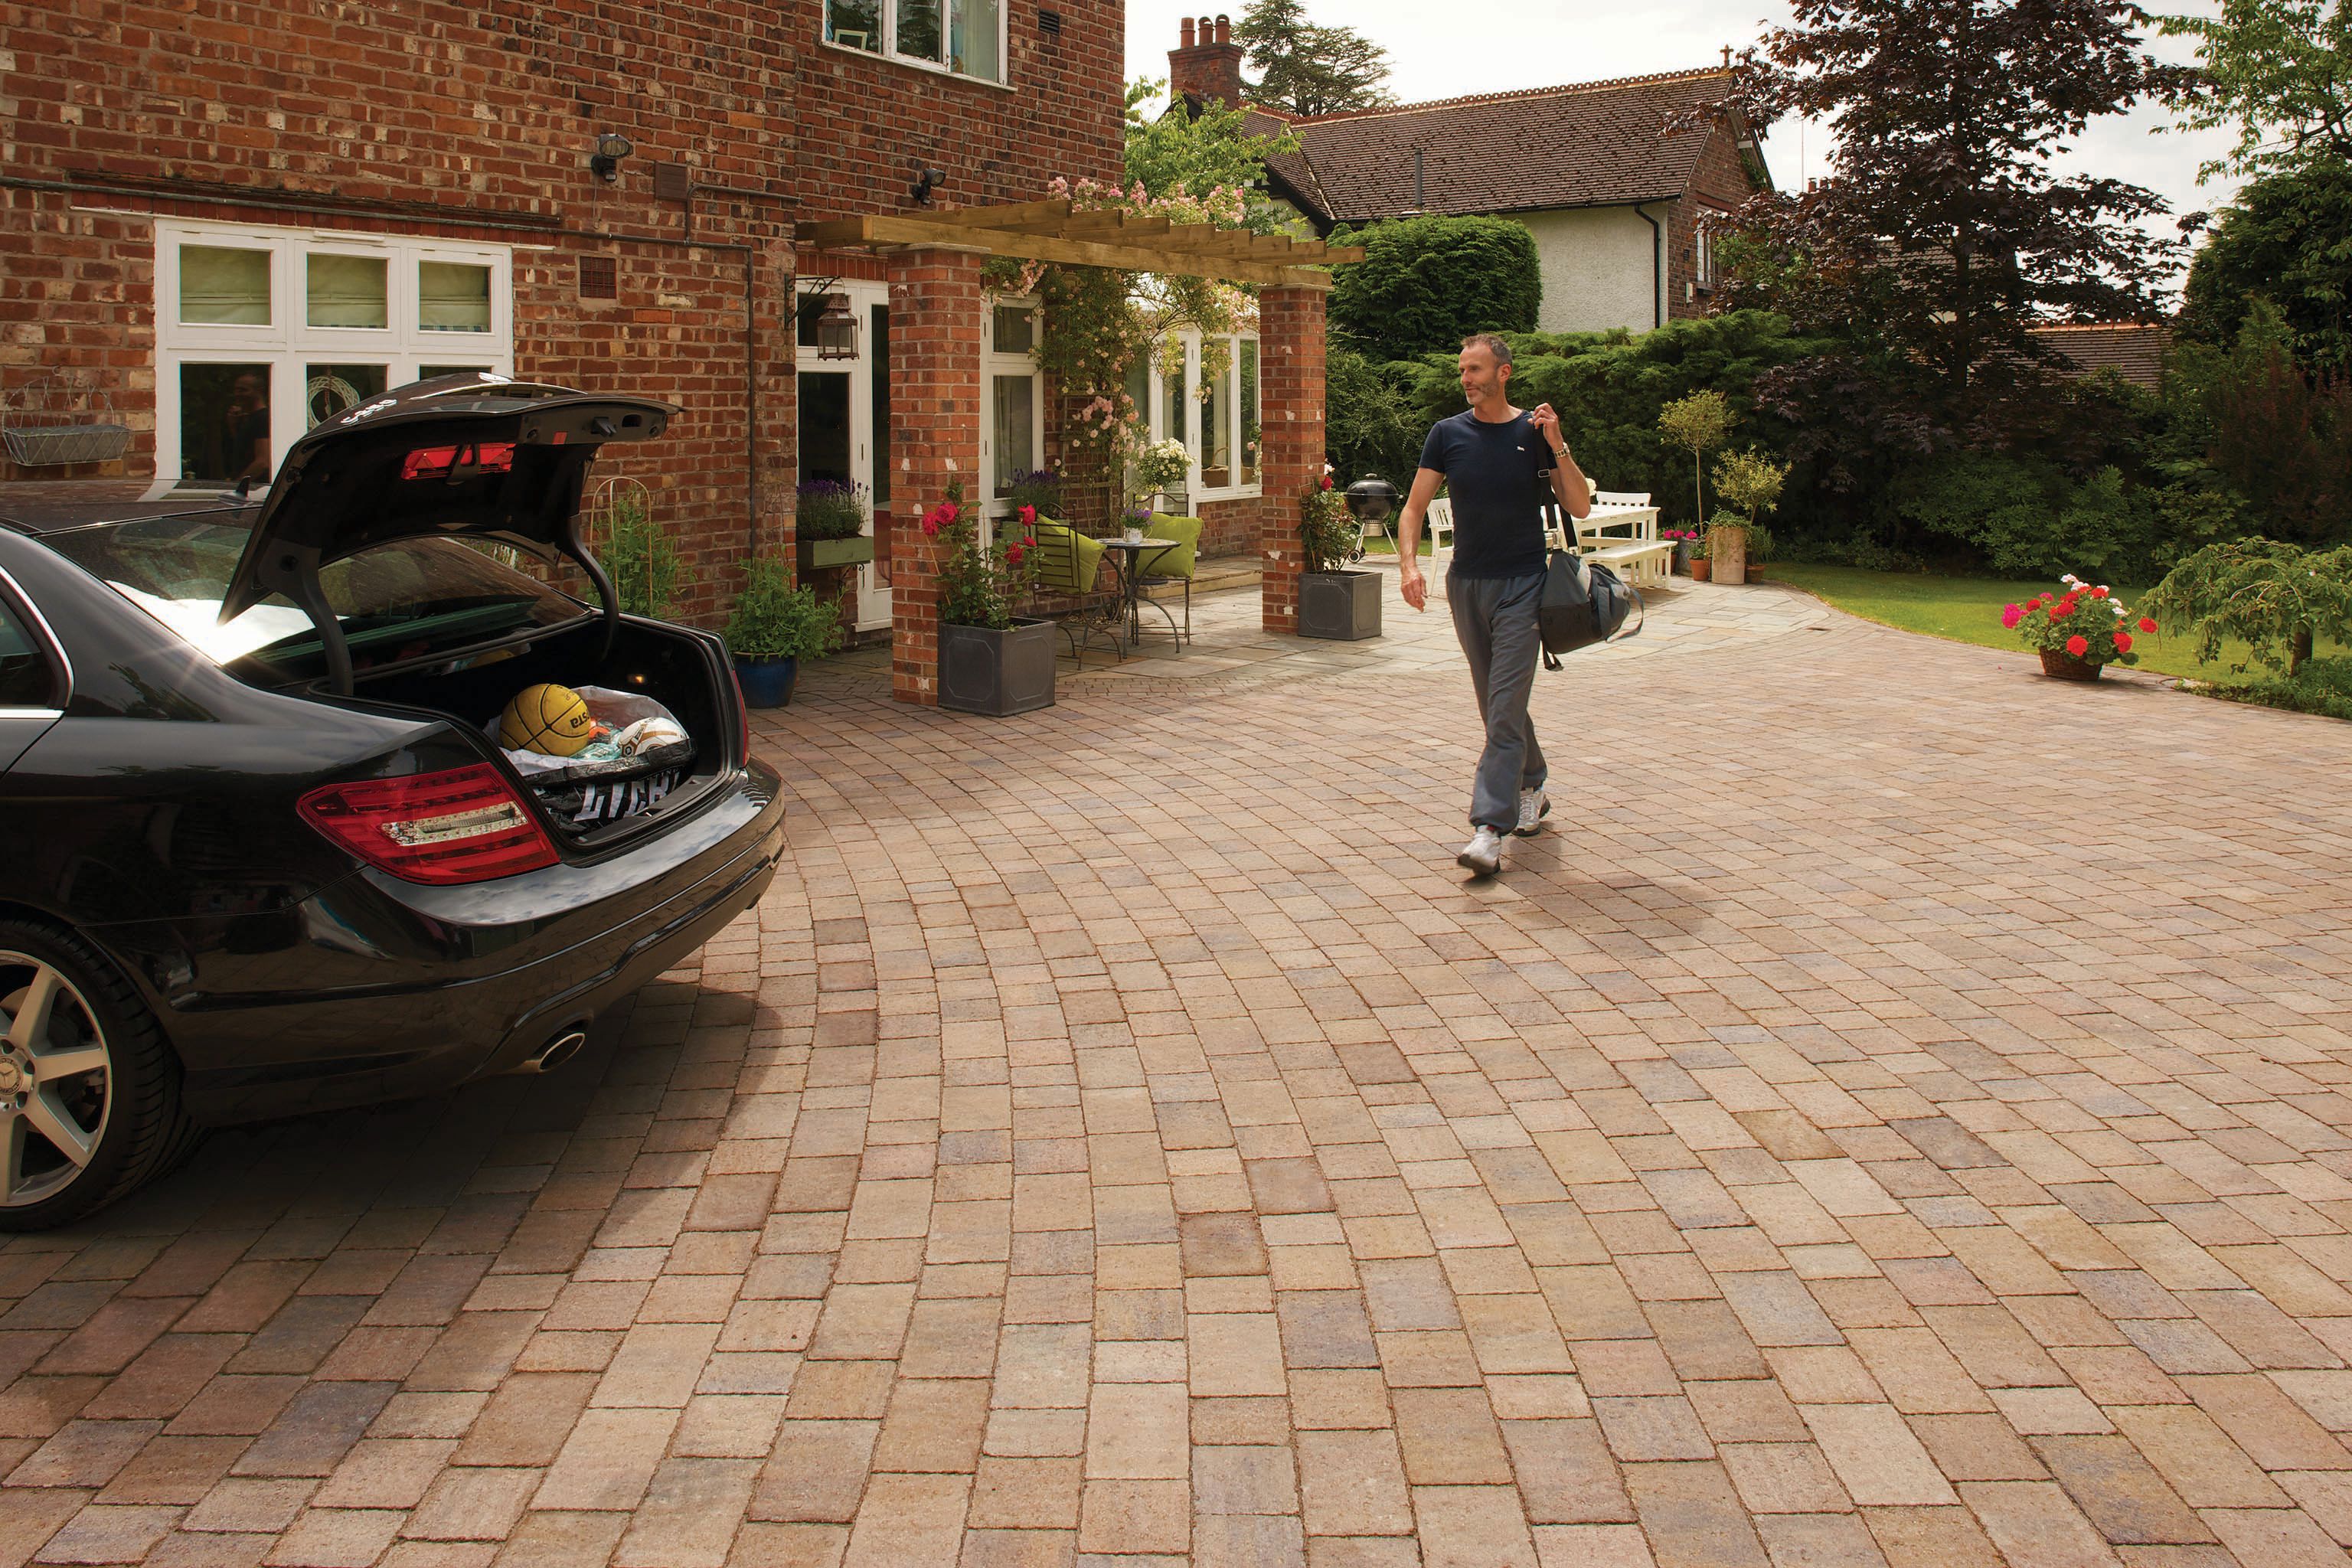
(2060, 666)
(1700, 567)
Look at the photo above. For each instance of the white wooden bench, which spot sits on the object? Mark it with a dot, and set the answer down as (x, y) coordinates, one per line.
(1622, 532)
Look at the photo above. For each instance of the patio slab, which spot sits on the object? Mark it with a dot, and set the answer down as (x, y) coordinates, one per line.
(1896, 1114)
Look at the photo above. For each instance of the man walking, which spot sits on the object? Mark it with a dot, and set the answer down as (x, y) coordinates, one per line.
(1495, 461)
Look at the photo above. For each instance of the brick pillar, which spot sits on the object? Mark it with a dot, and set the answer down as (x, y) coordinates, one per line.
(1290, 355)
(934, 413)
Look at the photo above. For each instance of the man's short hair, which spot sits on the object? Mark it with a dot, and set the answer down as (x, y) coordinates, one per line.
(1491, 343)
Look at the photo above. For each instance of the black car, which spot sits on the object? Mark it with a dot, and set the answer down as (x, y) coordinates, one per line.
(260, 850)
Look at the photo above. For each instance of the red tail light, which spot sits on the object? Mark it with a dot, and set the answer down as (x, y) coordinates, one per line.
(440, 462)
(467, 825)
(742, 717)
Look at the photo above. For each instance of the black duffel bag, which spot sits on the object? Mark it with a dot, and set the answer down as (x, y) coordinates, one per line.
(1583, 602)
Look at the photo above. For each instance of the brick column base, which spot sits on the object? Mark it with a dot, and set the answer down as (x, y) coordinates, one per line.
(1290, 337)
(935, 414)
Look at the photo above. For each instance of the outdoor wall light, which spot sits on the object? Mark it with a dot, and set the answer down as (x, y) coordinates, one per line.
(836, 329)
(925, 181)
(606, 161)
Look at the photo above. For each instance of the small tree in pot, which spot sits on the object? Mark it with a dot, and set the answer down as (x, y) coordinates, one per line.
(774, 626)
(1751, 482)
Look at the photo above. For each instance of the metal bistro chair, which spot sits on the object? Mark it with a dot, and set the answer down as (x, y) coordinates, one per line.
(1177, 564)
(1068, 589)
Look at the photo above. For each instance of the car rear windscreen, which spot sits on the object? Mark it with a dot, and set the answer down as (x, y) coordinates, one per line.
(402, 600)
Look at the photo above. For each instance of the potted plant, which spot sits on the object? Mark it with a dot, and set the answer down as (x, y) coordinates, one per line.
(1751, 482)
(1700, 567)
(1164, 469)
(2077, 631)
(1685, 543)
(991, 662)
(777, 624)
(640, 557)
(1333, 602)
(1698, 422)
(829, 523)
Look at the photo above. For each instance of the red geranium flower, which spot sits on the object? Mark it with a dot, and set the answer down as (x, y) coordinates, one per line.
(2062, 609)
(2078, 647)
(2146, 625)
(2123, 642)
(2098, 593)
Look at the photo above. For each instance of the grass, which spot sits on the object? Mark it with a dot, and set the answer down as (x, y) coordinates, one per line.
(1968, 609)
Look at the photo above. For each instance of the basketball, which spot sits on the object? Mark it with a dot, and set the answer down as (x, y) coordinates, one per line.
(546, 718)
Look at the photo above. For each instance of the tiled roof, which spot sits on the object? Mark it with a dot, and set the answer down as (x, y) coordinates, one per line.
(2133, 350)
(1586, 144)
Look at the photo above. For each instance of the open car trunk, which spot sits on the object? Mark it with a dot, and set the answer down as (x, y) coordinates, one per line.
(680, 669)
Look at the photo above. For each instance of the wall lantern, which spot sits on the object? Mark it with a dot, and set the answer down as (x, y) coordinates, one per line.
(836, 329)
(605, 163)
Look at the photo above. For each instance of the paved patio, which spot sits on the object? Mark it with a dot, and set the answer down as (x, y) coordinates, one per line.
(1897, 1115)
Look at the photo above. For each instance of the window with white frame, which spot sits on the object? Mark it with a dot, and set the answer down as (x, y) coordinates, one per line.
(965, 37)
(1703, 252)
(1207, 398)
(262, 333)
(1016, 392)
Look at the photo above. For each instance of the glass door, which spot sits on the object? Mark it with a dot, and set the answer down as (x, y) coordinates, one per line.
(843, 422)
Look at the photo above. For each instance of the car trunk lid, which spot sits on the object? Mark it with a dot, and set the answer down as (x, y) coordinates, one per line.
(473, 456)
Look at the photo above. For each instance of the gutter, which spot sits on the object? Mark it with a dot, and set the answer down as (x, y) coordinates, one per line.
(501, 223)
(1657, 267)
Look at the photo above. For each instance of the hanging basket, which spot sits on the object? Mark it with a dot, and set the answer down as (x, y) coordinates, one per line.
(58, 420)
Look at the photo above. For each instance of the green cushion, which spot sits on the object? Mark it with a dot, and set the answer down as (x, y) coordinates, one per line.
(1068, 561)
(1179, 561)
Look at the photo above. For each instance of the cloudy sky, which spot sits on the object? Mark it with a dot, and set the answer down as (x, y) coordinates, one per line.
(1445, 51)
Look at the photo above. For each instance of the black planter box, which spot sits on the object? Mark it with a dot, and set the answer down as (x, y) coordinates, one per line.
(983, 670)
(1342, 606)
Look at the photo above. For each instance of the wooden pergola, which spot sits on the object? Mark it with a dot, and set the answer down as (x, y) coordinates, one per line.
(934, 259)
(1062, 231)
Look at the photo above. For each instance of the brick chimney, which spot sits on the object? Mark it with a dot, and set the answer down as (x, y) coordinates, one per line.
(1208, 63)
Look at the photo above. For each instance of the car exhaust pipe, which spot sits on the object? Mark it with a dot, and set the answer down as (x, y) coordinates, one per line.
(555, 1053)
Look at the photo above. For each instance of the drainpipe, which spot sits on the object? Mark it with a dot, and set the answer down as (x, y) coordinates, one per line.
(1657, 267)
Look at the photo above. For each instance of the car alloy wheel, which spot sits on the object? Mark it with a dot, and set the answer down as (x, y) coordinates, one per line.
(57, 1081)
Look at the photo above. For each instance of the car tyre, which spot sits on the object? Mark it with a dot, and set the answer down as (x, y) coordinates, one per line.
(89, 1090)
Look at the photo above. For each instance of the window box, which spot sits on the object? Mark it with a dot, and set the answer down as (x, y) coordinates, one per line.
(826, 555)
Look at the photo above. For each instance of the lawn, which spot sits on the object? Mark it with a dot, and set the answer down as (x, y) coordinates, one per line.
(1968, 609)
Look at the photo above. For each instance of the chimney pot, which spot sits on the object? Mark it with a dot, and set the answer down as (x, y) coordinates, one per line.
(1224, 29)
(1187, 33)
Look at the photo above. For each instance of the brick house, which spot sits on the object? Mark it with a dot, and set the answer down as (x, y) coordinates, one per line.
(233, 219)
(1616, 204)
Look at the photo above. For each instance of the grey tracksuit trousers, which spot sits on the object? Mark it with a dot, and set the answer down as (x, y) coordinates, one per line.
(1495, 618)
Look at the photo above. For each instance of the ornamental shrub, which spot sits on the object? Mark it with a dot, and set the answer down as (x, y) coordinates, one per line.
(2277, 597)
(641, 557)
(1426, 283)
(1369, 425)
(1326, 533)
(775, 620)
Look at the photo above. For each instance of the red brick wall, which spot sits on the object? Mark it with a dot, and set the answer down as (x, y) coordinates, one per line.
(475, 123)
(1719, 184)
(935, 409)
(1290, 331)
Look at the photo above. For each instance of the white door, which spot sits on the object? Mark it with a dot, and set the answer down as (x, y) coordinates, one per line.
(844, 423)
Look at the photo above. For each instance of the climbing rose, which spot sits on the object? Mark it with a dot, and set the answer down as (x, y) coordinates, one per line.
(2123, 642)
(2078, 647)
(1327, 481)
(2146, 625)
(1028, 516)
(1012, 554)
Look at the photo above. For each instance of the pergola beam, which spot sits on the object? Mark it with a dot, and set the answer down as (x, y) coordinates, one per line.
(1197, 250)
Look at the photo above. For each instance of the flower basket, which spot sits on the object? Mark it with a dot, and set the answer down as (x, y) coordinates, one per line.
(2077, 631)
(2063, 666)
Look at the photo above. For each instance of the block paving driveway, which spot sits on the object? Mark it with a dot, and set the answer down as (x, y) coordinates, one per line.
(1898, 1114)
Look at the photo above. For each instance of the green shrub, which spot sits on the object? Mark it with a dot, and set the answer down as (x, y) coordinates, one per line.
(775, 620)
(1426, 283)
(2323, 686)
(641, 558)
(1326, 533)
(2277, 597)
(1369, 424)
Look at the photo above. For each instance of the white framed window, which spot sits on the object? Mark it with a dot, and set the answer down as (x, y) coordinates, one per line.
(1013, 437)
(961, 37)
(1213, 409)
(1703, 252)
(261, 332)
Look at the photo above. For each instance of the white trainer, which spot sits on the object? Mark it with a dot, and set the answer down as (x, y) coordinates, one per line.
(1534, 806)
(1484, 853)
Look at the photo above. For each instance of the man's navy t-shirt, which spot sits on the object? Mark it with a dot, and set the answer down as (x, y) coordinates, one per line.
(1495, 475)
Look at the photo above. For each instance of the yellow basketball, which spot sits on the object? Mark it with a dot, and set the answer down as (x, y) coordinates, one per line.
(549, 719)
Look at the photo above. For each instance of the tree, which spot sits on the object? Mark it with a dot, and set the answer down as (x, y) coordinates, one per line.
(1698, 422)
(1942, 237)
(1310, 69)
(1425, 283)
(2288, 238)
(2280, 70)
(1175, 153)
(2280, 436)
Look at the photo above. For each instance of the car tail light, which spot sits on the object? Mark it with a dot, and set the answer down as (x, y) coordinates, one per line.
(742, 717)
(467, 825)
(440, 462)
